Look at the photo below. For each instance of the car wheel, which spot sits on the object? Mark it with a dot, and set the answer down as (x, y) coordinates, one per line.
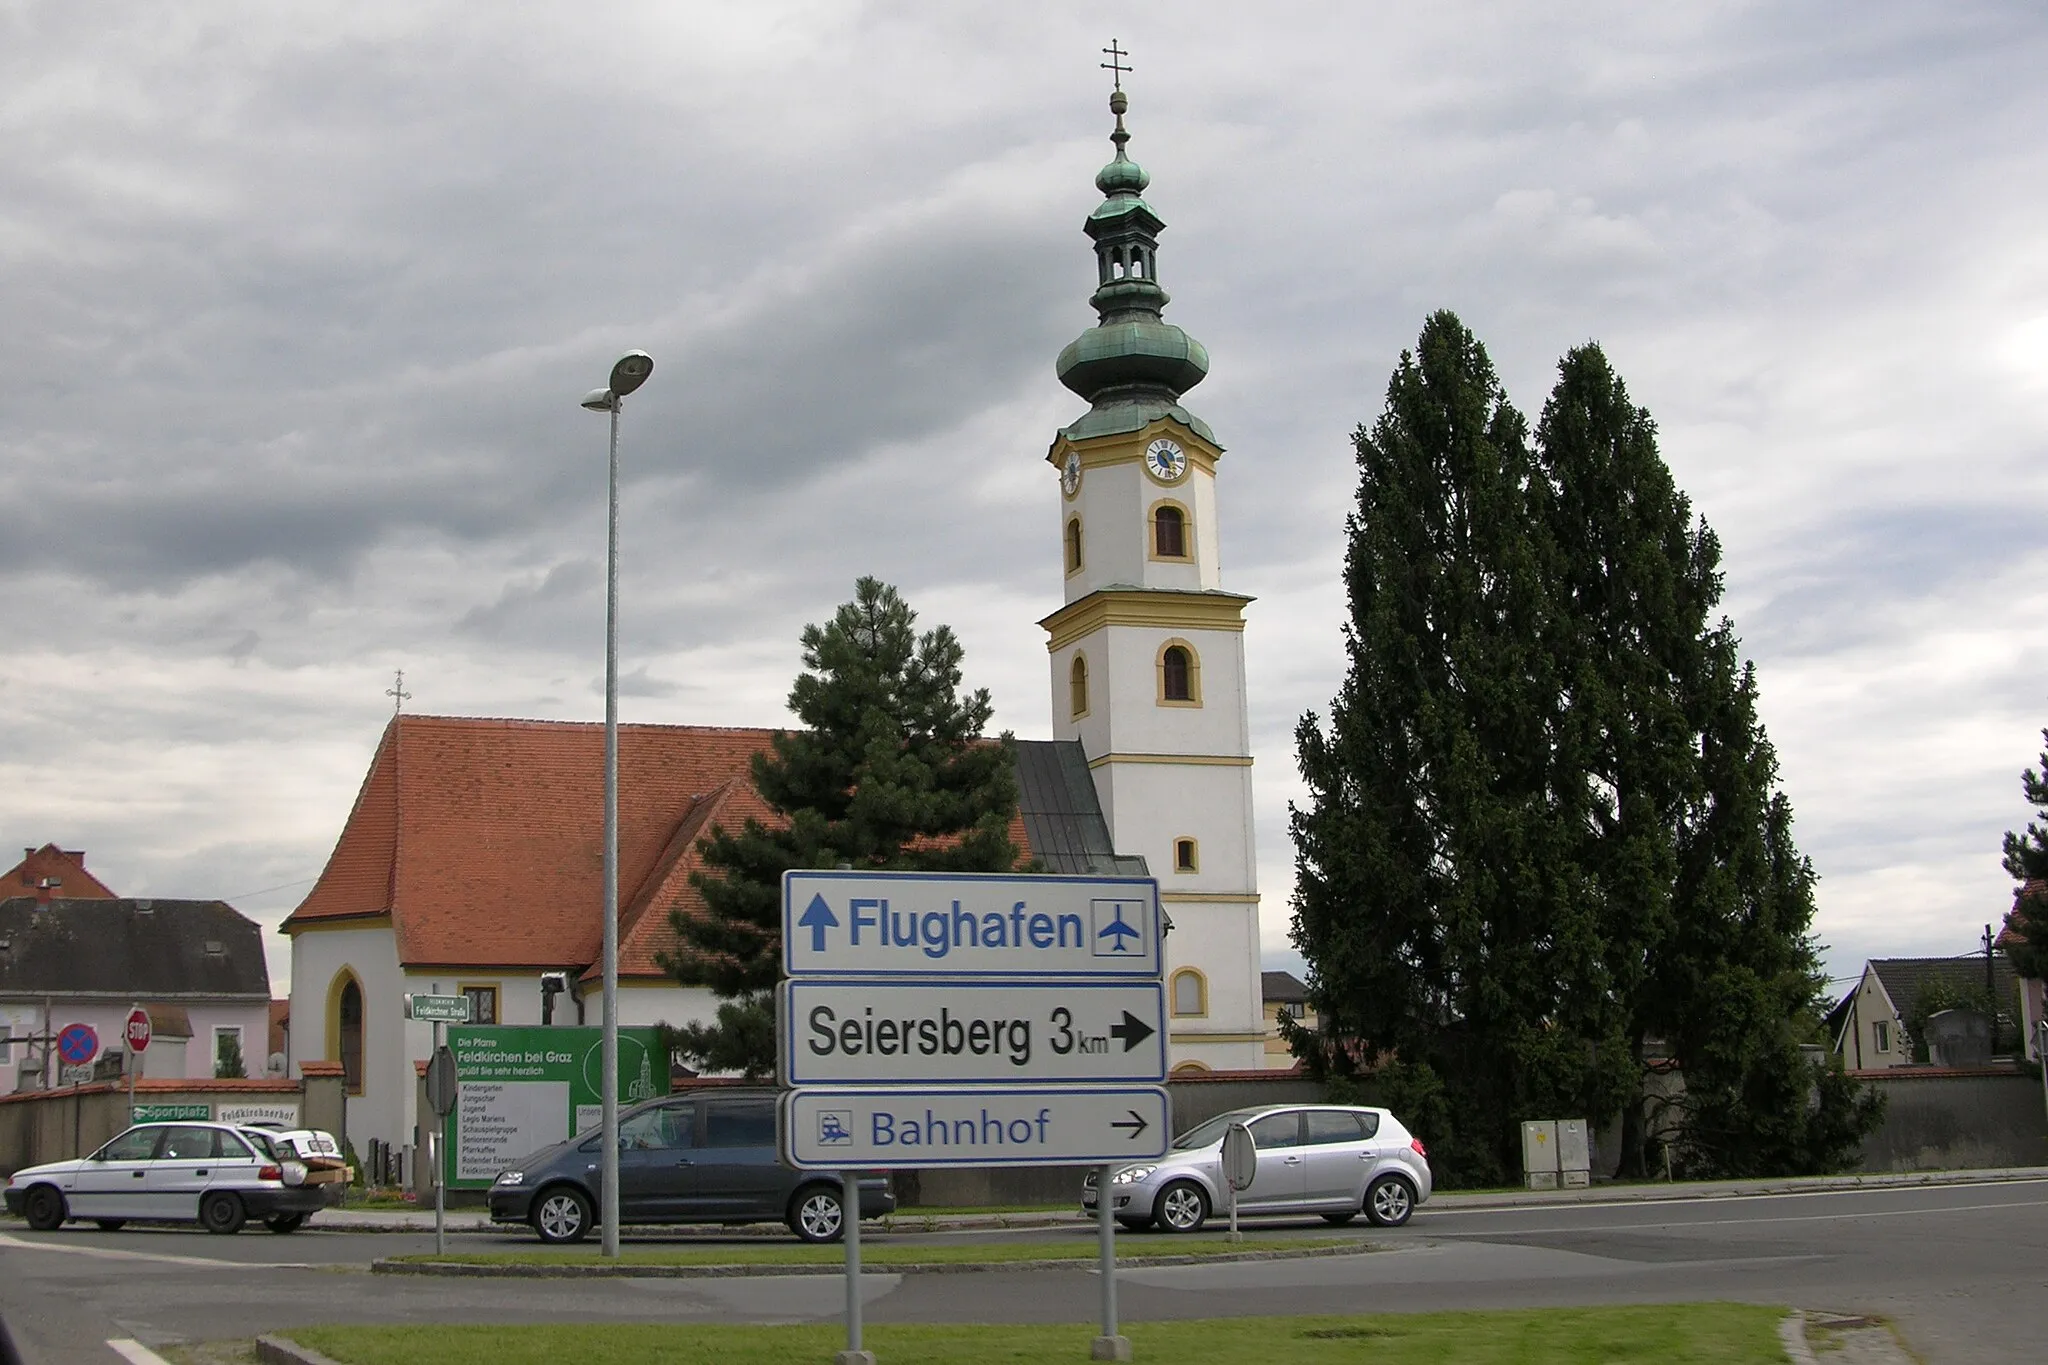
(1389, 1201)
(44, 1208)
(1182, 1207)
(816, 1214)
(285, 1222)
(1338, 1220)
(222, 1212)
(562, 1215)
(111, 1224)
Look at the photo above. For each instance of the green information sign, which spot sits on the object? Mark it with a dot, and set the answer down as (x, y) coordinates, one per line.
(524, 1087)
(169, 1113)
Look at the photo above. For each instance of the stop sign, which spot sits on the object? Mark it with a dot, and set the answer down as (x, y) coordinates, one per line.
(138, 1033)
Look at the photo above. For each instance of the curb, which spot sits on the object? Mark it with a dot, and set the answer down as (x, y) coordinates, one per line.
(285, 1351)
(460, 1269)
(1792, 1336)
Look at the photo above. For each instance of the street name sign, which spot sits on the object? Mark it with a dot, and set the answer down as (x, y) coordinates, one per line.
(972, 1032)
(442, 1009)
(169, 1113)
(914, 924)
(896, 1129)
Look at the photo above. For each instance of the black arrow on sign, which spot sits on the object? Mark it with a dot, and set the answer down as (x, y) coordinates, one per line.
(1137, 1124)
(1132, 1030)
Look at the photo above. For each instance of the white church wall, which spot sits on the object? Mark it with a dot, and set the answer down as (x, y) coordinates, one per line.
(1138, 723)
(383, 1109)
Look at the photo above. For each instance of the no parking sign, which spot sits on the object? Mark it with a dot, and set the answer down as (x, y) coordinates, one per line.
(78, 1044)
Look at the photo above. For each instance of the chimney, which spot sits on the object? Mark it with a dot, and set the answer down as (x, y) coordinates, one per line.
(45, 887)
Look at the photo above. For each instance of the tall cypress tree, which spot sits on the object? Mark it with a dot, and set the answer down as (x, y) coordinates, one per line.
(1436, 913)
(2026, 858)
(889, 773)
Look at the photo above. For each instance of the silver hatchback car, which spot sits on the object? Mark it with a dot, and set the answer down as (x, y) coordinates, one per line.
(1334, 1160)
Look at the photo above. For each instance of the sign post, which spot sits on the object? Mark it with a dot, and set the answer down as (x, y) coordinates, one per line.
(138, 1034)
(1240, 1166)
(442, 1089)
(962, 1020)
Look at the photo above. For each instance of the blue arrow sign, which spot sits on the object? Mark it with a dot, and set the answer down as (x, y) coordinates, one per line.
(817, 918)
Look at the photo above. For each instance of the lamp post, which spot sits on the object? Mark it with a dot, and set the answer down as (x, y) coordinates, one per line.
(629, 374)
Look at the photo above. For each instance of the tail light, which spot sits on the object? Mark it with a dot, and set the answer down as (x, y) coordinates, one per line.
(1420, 1150)
(270, 1173)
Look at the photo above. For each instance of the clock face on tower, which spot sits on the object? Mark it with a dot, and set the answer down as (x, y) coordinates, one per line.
(1070, 474)
(1166, 460)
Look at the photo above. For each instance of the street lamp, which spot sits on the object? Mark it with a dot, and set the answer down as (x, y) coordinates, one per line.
(629, 374)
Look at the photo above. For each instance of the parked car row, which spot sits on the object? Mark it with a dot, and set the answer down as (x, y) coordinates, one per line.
(218, 1175)
(712, 1158)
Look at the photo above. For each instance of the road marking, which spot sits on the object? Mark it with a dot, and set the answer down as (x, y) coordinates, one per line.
(1734, 1222)
(135, 1353)
(111, 1254)
(1554, 1206)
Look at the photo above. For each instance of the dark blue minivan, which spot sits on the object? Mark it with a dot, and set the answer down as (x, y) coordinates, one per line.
(707, 1157)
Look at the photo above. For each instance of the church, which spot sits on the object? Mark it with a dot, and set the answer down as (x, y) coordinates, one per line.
(471, 859)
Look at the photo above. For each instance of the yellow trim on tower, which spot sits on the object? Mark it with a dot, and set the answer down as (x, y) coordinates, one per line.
(1128, 447)
(1189, 1037)
(1160, 610)
(1214, 897)
(1199, 760)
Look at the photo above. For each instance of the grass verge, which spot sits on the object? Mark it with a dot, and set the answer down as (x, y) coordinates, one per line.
(1673, 1334)
(886, 1254)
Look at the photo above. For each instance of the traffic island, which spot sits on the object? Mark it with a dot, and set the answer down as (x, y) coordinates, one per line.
(1670, 1334)
(708, 1262)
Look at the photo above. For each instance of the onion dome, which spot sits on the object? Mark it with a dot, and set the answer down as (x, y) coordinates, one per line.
(1131, 355)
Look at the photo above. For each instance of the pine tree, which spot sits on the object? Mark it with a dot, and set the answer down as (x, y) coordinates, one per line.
(889, 773)
(2026, 858)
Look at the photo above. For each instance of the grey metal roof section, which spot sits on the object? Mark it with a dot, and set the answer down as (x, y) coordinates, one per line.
(1062, 814)
(1905, 977)
(130, 948)
(1284, 987)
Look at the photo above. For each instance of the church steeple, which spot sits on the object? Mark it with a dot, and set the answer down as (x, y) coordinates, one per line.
(1131, 353)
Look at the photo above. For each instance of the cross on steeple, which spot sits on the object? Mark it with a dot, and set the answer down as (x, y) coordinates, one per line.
(1115, 63)
(399, 696)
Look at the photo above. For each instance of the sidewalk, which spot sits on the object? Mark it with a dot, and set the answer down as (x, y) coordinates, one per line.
(474, 1220)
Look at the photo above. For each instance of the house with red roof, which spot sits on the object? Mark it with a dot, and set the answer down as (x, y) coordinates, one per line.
(472, 863)
(2033, 991)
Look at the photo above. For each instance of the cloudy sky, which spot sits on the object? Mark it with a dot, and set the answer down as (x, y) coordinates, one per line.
(298, 302)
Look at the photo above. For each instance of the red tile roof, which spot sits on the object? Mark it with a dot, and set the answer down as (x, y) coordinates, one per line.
(483, 839)
(65, 867)
(2007, 935)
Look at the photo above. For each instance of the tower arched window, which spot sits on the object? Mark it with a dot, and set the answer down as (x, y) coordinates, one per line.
(1073, 545)
(1190, 993)
(1170, 531)
(1180, 674)
(1077, 686)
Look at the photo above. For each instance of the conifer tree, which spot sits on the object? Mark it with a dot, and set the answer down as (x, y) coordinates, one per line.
(2026, 858)
(889, 773)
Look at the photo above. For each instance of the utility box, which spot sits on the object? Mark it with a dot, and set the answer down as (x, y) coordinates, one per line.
(1574, 1154)
(1539, 1154)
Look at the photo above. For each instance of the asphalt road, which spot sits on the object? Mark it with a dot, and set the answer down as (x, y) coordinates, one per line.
(1958, 1267)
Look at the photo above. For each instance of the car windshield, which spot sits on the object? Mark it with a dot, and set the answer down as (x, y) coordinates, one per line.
(1202, 1134)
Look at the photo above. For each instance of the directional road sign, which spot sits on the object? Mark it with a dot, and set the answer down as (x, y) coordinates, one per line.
(447, 1009)
(78, 1044)
(897, 924)
(900, 1129)
(987, 1032)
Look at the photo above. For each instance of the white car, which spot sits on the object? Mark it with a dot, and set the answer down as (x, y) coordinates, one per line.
(1335, 1160)
(218, 1175)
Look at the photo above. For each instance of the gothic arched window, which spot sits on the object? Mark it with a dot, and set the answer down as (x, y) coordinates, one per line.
(348, 1028)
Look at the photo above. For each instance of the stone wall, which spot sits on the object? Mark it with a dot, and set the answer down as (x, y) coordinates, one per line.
(1940, 1118)
(54, 1125)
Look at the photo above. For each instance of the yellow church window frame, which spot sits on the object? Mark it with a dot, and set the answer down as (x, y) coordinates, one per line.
(1077, 686)
(1179, 681)
(1187, 854)
(1166, 513)
(1073, 542)
(1190, 1068)
(1189, 978)
(336, 1047)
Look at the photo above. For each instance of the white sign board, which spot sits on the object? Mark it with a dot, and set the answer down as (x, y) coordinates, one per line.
(965, 1032)
(500, 1123)
(888, 1129)
(910, 924)
(286, 1114)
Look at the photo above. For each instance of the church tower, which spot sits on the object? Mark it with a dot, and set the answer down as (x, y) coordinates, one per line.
(1148, 652)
